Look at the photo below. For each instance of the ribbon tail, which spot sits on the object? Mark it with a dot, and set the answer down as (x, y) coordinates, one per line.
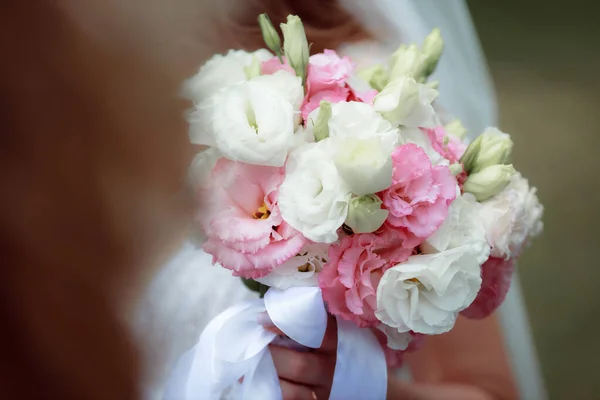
(360, 369)
(231, 346)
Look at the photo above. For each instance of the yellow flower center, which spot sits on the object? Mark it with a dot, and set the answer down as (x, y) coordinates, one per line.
(262, 213)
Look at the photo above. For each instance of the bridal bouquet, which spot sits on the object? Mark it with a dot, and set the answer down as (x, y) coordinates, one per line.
(338, 191)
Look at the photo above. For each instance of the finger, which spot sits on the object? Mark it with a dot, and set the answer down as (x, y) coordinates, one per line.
(294, 391)
(330, 340)
(304, 368)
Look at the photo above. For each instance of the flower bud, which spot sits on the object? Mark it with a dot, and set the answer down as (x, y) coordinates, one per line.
(406, 61)
(432, 51)
(469, 156)
(433, 84)
(457, 129)
(377, 77)
(365, 214)
(321, 128)
(252, 70)
(456, 169)
(270, 35)
(489, 181)
(364, 164)
(496, 148)
(405, 102)
(295, 45)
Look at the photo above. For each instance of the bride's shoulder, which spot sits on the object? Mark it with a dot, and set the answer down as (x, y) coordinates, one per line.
(190, 279)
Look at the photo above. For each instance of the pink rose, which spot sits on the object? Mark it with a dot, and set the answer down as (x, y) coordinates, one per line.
(327, 70)
(326, 80)
(420, 194)
(349, 279)
(273, 65)
(448, 146)
(242, 221)
(496, 275)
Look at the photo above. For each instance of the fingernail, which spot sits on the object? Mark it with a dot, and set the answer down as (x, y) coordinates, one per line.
(264, 319)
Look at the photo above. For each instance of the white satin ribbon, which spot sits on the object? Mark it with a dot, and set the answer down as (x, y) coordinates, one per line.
(235, 345)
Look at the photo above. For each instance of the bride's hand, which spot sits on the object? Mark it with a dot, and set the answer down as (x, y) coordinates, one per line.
(306, 375)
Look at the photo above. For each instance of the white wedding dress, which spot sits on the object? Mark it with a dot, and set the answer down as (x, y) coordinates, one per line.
(189, 291)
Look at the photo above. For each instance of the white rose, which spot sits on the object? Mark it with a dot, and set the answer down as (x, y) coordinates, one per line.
(313, 198)
(360, 121)
(289, 86)
(404, 102)
(462, 227)
(365, 164)
(426, 293)
(221, 71)
(512, 217)
(363, 142)
(300, 270)
(252, 122)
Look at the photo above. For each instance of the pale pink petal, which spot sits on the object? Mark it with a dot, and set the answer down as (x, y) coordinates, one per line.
(312, 102)
(273, 65)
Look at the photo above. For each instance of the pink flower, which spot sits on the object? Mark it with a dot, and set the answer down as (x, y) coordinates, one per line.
(326, 80)
(242, 221)
(327, 70)
(496, 275)
(334, 95)
(420, 194)
(273, 65)
(448, 146)
(349, 280)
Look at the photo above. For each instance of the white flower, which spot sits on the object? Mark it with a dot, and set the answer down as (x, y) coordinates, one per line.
(395, 339)
(313, 198)
(407, 103)
(289, 86)
(462, 227)
(360, 121)
(221, 71)
(512, 217)
(426, 293)
(364, 142)
(301, 270)
(253, 122)
(365, 164)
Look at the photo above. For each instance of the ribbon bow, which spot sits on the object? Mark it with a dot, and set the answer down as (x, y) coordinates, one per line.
(234, 345)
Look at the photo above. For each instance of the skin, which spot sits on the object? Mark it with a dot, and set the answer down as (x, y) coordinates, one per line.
(468, 363)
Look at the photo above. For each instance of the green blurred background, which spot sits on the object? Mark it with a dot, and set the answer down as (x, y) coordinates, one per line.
(544, 57)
